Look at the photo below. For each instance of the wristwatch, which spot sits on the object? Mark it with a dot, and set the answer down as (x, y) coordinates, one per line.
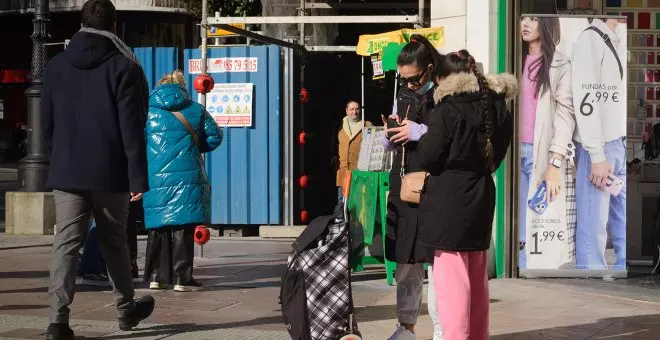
(556, 162)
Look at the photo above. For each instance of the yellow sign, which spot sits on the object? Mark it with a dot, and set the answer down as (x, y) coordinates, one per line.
(215, 32)
(374, 43)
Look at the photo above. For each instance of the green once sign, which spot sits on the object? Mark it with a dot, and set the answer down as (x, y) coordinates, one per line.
(376, 46)
(432, 37)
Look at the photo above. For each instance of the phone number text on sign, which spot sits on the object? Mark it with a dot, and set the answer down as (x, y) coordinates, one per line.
(223, 65)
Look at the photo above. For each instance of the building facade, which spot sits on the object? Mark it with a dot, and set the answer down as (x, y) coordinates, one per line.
(141, 23)
(489, 29)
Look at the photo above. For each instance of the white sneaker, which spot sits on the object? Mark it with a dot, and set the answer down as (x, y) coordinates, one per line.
(402, 333)
(437, 334)
(157, 286)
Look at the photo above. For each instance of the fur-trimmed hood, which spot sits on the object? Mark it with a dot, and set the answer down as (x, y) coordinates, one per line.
(504, 83)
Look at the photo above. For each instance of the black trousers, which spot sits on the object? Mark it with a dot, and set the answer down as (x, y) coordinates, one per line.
(170, 253)
(135, 218)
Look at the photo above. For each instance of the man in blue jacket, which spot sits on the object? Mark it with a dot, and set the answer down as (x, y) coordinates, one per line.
(94, 108)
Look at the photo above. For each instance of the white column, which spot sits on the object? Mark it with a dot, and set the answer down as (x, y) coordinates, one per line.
(452, 15)
(471, 25)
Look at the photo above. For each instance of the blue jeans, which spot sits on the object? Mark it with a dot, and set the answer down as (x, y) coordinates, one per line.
(526, 166)
(599, 213)
(92, 262)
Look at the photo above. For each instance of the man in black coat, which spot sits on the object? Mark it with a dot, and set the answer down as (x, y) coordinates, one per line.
(94, 108)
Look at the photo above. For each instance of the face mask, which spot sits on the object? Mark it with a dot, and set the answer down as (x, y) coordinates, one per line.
(422, 90)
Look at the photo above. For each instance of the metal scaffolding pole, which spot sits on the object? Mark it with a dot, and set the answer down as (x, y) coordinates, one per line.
(420, 6)
(360, 5)
(301, 26)
(322, 19)
(203, 33)
(289, 87)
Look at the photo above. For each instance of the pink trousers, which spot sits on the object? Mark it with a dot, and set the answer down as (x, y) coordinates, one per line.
(461, 288)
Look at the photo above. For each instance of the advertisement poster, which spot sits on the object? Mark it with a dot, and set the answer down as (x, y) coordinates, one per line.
(231, 104)
(572, 144)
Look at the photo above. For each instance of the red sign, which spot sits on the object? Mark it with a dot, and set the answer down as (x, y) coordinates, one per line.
(223, 65)
(14, 76)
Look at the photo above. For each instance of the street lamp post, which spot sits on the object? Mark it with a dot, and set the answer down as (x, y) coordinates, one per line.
(33, 168)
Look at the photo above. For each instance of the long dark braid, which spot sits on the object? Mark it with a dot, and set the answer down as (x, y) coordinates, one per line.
(486, 102)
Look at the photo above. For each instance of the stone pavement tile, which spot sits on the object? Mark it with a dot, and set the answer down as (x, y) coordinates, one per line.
(34, 327)
(36, 308)
(21, 241)
(109, 313)
(643, 318)
(23, 333)
(628, 327)
(266, 275)
(189, 303)
(252, 307)
(232, 317)
(572, 333)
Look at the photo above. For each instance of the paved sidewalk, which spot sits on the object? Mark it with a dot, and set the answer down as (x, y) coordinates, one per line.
(240, 301)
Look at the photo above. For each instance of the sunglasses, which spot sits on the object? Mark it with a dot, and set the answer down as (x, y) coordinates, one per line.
(414, 80)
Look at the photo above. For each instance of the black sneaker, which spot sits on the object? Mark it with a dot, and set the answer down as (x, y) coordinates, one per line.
(100, 280)
(144, 306)
(191, 286)
(59, 331)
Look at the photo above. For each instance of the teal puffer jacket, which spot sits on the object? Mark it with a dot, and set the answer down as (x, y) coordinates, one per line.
(180, 192)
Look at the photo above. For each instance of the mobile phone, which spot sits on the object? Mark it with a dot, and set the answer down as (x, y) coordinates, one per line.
(391, 123)
(613, 185)
(538, 202)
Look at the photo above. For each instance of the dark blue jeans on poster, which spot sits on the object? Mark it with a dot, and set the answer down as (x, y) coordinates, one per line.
(91, 262)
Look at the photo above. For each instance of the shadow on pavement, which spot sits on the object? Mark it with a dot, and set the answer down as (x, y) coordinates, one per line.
(633, 327)
(25, 290)
(21, 307)
(35, 274)
(167, 330)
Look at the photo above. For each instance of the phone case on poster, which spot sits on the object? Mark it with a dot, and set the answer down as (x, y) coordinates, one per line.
(614, 185)
(537, 202)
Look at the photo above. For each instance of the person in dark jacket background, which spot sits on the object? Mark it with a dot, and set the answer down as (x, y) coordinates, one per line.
(93, 108)
(180, 196)
(414, 104)
(468, 136)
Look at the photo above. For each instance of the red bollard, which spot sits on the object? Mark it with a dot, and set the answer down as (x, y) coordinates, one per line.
(201, 236)
(203, 83)
(303, 181)
(304, 96)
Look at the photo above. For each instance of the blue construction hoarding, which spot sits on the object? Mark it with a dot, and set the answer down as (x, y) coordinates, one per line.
(245, 170)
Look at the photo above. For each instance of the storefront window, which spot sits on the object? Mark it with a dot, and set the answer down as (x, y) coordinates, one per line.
(584, 7)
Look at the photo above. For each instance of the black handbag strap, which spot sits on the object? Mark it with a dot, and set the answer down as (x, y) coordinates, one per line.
(609, 44)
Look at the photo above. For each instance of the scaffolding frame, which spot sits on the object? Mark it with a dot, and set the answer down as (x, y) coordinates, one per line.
(300, 47)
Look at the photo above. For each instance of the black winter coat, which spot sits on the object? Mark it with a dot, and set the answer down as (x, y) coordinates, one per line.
(458, 202)
(94, 107)
(401, 240)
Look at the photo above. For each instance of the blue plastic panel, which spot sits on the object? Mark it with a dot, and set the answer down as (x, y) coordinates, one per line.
(245, 170)
(157, 61)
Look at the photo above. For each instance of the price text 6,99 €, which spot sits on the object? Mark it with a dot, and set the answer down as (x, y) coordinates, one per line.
(596, 95)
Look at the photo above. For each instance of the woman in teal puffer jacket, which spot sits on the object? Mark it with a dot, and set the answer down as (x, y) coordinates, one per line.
(179, 196)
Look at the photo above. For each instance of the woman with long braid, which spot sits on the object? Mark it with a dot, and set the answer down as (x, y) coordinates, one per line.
(468, 135)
